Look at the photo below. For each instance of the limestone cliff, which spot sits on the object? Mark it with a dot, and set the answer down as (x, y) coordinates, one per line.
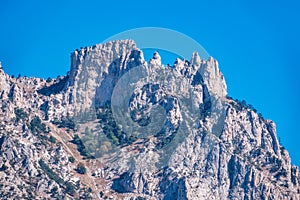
(118, 127)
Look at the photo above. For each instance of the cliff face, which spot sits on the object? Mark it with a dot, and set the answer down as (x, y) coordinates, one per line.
(96, 69)
(119, 127)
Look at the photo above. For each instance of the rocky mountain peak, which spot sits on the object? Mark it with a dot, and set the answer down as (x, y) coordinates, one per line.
(99, 56)
(195, 60)
(98, 68)
(116, 127)
(4, 83)
(213, 77)
(156, 59)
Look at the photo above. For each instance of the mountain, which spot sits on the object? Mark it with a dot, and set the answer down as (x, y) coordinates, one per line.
(118, 127)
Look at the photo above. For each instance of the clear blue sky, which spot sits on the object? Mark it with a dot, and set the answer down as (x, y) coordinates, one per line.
(256, 43)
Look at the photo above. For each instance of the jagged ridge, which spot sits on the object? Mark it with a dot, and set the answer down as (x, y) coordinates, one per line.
(232, 153)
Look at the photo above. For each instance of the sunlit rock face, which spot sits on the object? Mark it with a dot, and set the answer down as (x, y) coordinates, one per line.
(178, 135)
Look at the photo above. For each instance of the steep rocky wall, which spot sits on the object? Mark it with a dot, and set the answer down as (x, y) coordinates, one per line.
(208, 146)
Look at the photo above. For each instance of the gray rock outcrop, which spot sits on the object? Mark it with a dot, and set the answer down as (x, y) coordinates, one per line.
(180, 135)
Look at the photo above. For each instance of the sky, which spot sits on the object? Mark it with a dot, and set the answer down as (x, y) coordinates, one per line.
(255, 42)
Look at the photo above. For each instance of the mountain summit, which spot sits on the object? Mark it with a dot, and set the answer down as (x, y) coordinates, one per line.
(119, 127)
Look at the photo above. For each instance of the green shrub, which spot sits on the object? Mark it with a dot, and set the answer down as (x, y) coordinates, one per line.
(69, 188)
(71, 159)
(36, 125)
(52, 139)
(20, 114)
(3, 168)
(80, 146)
(81, 168)
(49, 80)
(111, 128)
(65, 122)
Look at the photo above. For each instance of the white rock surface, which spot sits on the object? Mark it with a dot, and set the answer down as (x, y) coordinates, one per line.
(209, 147)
